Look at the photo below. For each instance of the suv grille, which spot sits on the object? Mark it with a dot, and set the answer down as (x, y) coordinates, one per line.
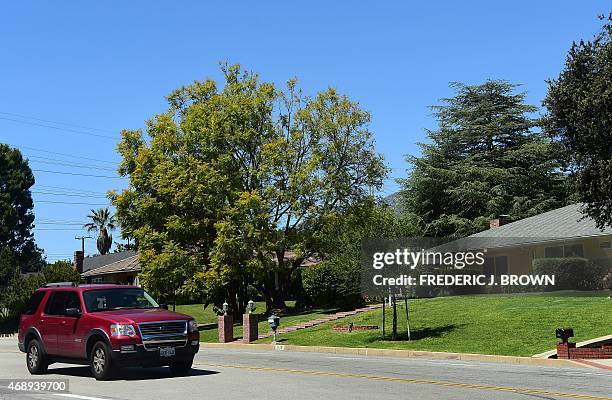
(161, 334)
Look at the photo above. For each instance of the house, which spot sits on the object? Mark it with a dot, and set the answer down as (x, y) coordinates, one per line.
(120, 267)
(124, 267)
(563, 232)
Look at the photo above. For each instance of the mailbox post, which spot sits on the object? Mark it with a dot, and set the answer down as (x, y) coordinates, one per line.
(274, 322)
(226, 325)
(250, 331)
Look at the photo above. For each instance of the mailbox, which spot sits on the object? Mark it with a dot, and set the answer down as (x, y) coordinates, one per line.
(564, 334)
(274, 322)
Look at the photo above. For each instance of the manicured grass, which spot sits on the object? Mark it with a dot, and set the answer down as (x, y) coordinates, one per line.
(519, 324)
(291, 317)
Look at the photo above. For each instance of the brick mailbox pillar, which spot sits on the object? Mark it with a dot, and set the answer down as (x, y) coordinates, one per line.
(250, 331)
(563, 350)
(226, 328)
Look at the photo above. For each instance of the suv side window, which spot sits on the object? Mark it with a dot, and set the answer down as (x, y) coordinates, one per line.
(34, 302)
(60, 301)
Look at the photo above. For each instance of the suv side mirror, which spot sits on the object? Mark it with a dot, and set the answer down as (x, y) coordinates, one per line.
(164, 306)
(73, 312)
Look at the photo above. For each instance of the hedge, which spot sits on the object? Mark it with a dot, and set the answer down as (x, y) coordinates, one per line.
(571, 273)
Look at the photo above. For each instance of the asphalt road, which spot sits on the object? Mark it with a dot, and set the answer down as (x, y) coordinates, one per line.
(238, 374)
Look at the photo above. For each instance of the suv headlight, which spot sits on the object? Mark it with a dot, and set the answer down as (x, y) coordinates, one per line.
(122, 330)
(193, 326)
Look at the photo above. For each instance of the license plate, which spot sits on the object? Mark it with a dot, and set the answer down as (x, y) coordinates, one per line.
(166, 351)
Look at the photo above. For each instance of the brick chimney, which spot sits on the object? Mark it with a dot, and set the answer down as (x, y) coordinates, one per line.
(501, 220)
(78, 261)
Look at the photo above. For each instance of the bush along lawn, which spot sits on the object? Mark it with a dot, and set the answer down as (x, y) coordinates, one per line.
(291, 316)
(517, 325)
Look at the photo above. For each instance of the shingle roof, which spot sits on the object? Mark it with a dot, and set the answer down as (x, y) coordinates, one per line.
(90, 263)
(129, 264)
(563, 223)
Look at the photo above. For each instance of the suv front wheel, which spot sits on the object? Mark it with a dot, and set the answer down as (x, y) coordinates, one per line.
(100, 361)
(35, 358)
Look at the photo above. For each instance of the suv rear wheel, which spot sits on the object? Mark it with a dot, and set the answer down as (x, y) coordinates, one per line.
(35, 358)
(100, 361)
(181, 367)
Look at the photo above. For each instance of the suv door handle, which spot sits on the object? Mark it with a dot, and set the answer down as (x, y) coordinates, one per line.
(63, 323)
(42, 321)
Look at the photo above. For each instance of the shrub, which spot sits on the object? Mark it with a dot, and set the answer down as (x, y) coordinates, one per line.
(13, 299)
(334, 282)
(572, 273)
(60, 271)
(15, 295)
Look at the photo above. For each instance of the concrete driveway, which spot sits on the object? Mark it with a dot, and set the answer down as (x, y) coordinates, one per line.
(233, 374)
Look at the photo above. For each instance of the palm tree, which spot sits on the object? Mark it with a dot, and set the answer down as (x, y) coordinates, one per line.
(102, 221)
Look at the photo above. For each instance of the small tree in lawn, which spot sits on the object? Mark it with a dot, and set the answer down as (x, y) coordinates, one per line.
(102, 221)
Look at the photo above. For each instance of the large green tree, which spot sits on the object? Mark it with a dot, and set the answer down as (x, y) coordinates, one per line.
(579, 113)
(16, 214)
(235, 178)
(484, 159)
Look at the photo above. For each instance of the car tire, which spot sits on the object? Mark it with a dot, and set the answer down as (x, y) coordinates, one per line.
(36, 360)
(181, 367)
(100, 361)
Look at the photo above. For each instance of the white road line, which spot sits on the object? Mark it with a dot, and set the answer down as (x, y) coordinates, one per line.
(77, 396)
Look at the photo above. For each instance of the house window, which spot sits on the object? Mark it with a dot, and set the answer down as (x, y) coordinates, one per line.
(605, 245)
(553, 252)
(495, 265)
(96, 279)
(573, 250)
(569, 250)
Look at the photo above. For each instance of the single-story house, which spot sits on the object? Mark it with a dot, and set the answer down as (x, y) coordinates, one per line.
(120, 267)
(511, 247)
(124, 267)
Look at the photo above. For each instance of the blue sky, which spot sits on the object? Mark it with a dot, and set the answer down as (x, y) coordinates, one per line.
(108, 65)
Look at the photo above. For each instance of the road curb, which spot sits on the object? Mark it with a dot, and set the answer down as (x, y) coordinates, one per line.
(401, 354)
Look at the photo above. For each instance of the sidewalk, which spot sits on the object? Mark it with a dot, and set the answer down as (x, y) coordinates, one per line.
(429, 355)
(315, 322)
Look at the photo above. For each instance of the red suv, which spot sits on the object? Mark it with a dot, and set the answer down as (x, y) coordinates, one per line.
(105, 326)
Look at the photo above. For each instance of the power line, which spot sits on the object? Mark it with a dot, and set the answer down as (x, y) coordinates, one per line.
(77, 174)
(57, 229)
(64, 163)
(58, 223)
(69, 194)
(56, 122)
(59, 128)
(70, 190)
(59, 154)
(69, 202)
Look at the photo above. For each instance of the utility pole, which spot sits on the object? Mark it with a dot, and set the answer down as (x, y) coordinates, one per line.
(82, 239)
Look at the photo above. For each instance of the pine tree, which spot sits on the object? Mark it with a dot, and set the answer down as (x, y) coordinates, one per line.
(485, 159)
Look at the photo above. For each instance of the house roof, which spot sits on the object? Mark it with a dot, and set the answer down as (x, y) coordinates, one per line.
(127, 261)
(129, 264)
(95, 262)
(562, 223)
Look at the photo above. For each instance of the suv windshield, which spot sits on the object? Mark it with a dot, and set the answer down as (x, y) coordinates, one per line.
(116, 299)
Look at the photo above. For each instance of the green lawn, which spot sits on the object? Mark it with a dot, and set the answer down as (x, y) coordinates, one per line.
(520, 324)
(291, 317)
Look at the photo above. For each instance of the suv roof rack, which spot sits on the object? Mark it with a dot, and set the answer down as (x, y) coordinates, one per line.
(106, 283)
(61, 284)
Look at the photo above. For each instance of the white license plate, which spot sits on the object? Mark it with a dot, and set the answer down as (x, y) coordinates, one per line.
(167, 351)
